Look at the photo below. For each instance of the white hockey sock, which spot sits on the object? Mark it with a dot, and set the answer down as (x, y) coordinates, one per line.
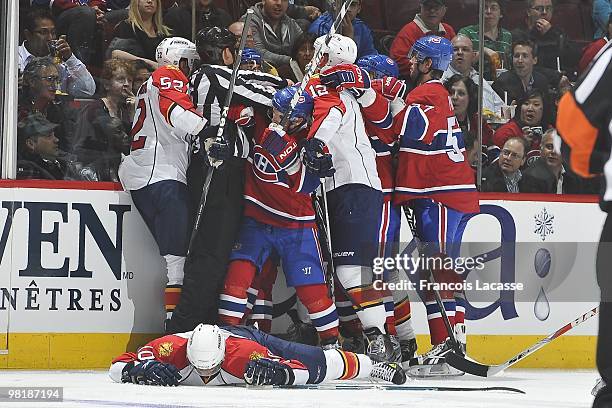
(344, 365)
(175, 269)
(372, 311)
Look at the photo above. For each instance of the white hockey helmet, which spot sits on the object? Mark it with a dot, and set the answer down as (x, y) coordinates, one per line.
(340, 49)
(173, 49)
(206, 349)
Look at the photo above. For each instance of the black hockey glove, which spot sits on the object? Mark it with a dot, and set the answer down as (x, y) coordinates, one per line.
(219, 150)
(264, 371)
(151, 372)
(212, 149)
(316, 160)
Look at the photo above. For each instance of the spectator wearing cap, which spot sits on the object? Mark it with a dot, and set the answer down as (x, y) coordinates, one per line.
(207, 15)
(504, 175)
(352, 26)
(463, 61)
(40, 40)
(274, 32)
(38, 95)
(497, 40)
(602, 10)
(548, 174)
(427, 22)
(37, 150)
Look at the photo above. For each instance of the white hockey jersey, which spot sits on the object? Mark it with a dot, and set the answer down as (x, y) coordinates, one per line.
(337, 121)
(164, 123)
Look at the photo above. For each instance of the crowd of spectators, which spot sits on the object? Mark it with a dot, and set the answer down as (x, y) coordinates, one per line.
(82, 61)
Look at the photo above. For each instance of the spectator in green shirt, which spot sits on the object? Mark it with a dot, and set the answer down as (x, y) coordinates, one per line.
(497, 40)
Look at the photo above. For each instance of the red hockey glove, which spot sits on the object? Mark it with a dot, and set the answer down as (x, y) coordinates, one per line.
(390, 88)
(346, 76)
(242, 115)
(277, 151)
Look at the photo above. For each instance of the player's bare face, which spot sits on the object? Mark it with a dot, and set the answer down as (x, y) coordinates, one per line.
(294, 123)
(532, 111)
(275, 9)
(250, 65)
(414, 68)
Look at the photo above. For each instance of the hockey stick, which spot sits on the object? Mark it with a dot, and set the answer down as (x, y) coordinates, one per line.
(483, 370)
(370, 386)
(220, 130)
(451, 333)
(313, 65)
(322, 221)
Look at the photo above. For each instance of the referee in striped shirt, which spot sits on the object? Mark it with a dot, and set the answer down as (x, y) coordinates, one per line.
(206, 265)
(584, 121)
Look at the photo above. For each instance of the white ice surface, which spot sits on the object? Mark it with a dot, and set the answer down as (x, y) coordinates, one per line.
(544, 388)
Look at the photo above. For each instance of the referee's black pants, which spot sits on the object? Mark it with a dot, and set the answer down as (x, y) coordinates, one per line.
(604, 339)
(206, 266)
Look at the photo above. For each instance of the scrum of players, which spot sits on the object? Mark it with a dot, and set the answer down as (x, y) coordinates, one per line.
(357, 136)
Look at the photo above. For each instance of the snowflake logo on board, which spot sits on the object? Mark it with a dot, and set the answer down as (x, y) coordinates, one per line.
(544, 224)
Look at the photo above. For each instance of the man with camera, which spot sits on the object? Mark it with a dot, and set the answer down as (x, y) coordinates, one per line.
(41, 41)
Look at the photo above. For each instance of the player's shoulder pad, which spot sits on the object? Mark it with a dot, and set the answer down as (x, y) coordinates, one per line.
(171, 71)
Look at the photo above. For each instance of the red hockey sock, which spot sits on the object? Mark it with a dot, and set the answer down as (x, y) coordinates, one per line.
(172, 295)
(321, 309)
(233, 298)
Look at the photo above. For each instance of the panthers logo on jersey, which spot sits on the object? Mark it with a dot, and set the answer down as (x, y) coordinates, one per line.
(165, 349)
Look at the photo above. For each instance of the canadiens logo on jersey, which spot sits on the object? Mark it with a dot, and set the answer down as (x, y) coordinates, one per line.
(264, 170)
(165, 349)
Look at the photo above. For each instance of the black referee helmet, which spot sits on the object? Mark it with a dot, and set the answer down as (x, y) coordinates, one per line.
(211, 42)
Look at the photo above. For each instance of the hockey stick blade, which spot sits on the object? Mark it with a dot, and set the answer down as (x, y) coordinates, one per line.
(384, 387)
(483, 370)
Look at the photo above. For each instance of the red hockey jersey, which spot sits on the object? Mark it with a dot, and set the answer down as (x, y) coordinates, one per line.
(432, 160)
(238, 351)
(279, 199)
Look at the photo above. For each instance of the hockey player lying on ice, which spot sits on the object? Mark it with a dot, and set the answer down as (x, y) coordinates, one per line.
(212, 355)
